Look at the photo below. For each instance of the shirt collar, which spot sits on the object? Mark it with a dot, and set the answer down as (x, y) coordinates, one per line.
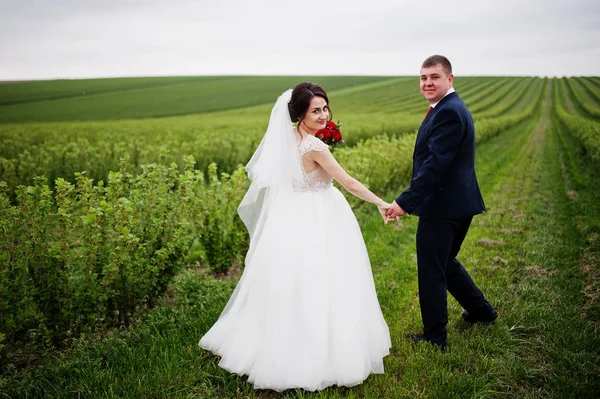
(450, 90)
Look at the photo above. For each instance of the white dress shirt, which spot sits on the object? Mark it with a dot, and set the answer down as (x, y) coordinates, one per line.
(450, 90)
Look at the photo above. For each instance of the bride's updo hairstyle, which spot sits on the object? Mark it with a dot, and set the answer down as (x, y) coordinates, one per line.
(301, 98)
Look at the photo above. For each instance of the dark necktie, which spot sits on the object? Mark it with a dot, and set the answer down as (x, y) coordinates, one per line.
(428, 111)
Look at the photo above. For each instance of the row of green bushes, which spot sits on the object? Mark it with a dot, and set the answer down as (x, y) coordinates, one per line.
(521, 97)
(61, 151)
(502, 92)
(87, 256)
(582, 103)
(57, 151)
(585, 130)
(591, 86)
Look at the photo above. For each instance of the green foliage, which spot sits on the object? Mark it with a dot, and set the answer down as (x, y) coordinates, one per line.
(585, 130)
(18, 308)
(583, 103)
(59, 151)
(46, 90)
(122, 363)
(89, 255)
(224, 237)
(128, 98)
(487, 128)
(380, 163)
(510, 101)
(591, 87)
(367, 108)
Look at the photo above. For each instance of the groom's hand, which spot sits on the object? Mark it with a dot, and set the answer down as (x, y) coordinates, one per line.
(395, 211)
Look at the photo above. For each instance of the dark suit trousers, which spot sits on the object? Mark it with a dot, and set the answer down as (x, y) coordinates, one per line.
(438, 243)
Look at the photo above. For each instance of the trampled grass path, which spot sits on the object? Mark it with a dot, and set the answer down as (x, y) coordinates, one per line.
(532, 254)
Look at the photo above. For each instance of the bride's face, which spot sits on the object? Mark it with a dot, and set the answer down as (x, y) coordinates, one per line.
(316, 116)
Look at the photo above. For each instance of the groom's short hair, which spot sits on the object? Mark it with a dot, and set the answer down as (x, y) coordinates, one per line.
(438, 60)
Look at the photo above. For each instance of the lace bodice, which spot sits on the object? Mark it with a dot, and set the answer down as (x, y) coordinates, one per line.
(318, 179)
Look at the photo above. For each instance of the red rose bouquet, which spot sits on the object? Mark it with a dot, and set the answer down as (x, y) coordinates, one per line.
(330, 134)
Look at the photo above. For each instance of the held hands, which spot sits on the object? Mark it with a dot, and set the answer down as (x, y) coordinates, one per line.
(393, 212)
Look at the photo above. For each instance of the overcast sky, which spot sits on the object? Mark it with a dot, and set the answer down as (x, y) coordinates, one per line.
(41, 39)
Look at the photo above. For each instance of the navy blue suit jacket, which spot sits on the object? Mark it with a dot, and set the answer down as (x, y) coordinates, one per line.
(444, 185)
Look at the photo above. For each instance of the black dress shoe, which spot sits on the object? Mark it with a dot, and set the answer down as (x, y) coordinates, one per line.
(487, 317)
(419, 338)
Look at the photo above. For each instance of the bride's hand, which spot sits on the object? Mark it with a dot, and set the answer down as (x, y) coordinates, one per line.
(383, 207)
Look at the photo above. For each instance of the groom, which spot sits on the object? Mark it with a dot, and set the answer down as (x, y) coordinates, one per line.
(445, 195)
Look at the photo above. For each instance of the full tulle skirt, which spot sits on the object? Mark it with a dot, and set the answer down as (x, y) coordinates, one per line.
(305, 312)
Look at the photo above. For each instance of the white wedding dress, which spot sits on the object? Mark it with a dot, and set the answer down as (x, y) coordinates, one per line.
(305, 312)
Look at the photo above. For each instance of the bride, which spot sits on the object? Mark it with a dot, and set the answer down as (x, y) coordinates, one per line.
(305, 312)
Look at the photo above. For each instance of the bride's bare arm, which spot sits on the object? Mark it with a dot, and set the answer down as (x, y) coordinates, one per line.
(331, 166)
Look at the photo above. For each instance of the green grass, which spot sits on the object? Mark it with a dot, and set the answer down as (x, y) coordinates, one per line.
(44, 90)
(135, 98)
(592, 94)
(534, 254)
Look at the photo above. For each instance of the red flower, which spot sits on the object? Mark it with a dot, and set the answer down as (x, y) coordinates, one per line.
(330, 134)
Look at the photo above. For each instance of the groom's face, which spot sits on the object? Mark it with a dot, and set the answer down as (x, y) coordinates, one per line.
(435, 83)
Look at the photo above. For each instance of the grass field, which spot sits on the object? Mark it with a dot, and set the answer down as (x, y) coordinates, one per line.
(535, 253)
(111, 99)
